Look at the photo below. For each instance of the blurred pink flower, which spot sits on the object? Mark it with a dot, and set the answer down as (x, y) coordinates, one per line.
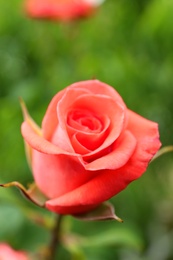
(7, 253)
(61, 9)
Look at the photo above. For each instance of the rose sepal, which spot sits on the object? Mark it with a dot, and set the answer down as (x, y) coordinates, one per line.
(33, 194)
(104, 211)
(162, 151)
(35, 127)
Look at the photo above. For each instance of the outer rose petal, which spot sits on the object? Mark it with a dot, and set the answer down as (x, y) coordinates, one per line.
(50, 119)
(107, 184)
(110, 182)
(39, 143)
(7, 253)
(147, 136)
(97, 87)
(58, 174)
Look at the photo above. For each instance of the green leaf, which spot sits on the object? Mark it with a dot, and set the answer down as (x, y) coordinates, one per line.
(116, 236)
(124, 236)
(105, 211)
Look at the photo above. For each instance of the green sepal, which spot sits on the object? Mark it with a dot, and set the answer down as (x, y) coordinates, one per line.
(162, 151)
(33, 193)
(35, 127)
(104, 211)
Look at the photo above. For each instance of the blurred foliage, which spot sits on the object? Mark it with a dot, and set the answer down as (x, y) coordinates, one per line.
(127, 44)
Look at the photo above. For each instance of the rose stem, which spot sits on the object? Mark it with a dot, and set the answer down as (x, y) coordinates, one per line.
(55, 238)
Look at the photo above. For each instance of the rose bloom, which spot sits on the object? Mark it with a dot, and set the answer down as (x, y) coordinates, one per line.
(61, 9)
(7, 253)
(90, 147)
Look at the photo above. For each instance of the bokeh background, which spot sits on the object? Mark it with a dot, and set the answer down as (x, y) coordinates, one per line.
(127, 44)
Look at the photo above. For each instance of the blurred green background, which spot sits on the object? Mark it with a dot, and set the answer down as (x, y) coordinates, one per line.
(127, 44)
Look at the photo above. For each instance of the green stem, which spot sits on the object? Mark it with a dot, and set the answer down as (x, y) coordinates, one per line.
(162, 151)
(55, 239)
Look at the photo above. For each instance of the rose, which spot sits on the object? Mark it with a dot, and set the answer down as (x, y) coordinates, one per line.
(90, 147)
(60, 9)
(7, 253)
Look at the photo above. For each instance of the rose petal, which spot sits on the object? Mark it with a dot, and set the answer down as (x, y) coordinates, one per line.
(120, 153)
(79, 148)
(50, 120)
(53, 206)
(107, 184)
(95, 86)
(56, 175)
(148, 143)
(39, 143)
(61, 139)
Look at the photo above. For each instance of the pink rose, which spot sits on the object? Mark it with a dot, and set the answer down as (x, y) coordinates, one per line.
(7, 253)
(90, 147)
(60, 9)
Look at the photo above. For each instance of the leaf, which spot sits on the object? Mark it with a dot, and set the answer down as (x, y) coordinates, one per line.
(116, 236)
(121, 235)
(33, 194)
(105, 211)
